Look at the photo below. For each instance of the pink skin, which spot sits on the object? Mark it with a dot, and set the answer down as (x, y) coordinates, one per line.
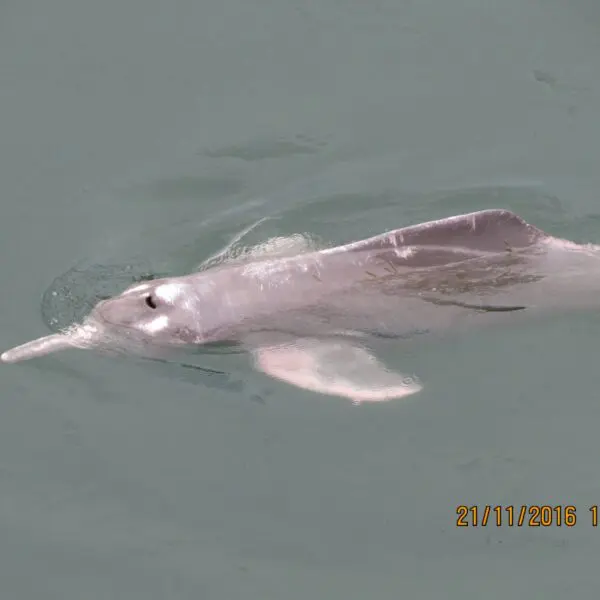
(427, 276)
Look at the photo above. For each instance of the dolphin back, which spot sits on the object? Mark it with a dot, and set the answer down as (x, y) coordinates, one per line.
(492, 230)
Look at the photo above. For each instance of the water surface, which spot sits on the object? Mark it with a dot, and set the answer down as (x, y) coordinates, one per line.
(153, 132)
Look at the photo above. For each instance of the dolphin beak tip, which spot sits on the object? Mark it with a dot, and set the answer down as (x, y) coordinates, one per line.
(6, 357)
(35, 348)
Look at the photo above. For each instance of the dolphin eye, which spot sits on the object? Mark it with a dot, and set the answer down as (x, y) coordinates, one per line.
(149, 299)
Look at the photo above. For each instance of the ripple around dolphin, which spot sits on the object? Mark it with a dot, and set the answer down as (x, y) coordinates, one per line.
(72, 295)
(262, 149)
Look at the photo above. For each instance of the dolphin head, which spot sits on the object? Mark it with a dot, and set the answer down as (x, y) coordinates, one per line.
(161, 313)
(165, 311)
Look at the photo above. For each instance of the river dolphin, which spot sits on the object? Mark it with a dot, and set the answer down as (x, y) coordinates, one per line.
(309, 319)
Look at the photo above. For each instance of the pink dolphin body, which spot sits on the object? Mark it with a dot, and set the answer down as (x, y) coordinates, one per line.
(307, 319)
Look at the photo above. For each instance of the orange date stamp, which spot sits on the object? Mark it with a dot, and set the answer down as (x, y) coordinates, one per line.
(524, 515)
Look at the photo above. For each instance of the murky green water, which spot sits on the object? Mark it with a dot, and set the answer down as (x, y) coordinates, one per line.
(151, 131)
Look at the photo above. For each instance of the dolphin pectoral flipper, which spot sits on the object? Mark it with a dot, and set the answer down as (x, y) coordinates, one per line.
(335, 367)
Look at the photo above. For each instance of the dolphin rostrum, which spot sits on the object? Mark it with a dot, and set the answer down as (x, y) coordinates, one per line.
(308, 319)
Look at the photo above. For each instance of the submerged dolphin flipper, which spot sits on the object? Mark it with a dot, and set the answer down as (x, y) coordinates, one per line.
(335, 367)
